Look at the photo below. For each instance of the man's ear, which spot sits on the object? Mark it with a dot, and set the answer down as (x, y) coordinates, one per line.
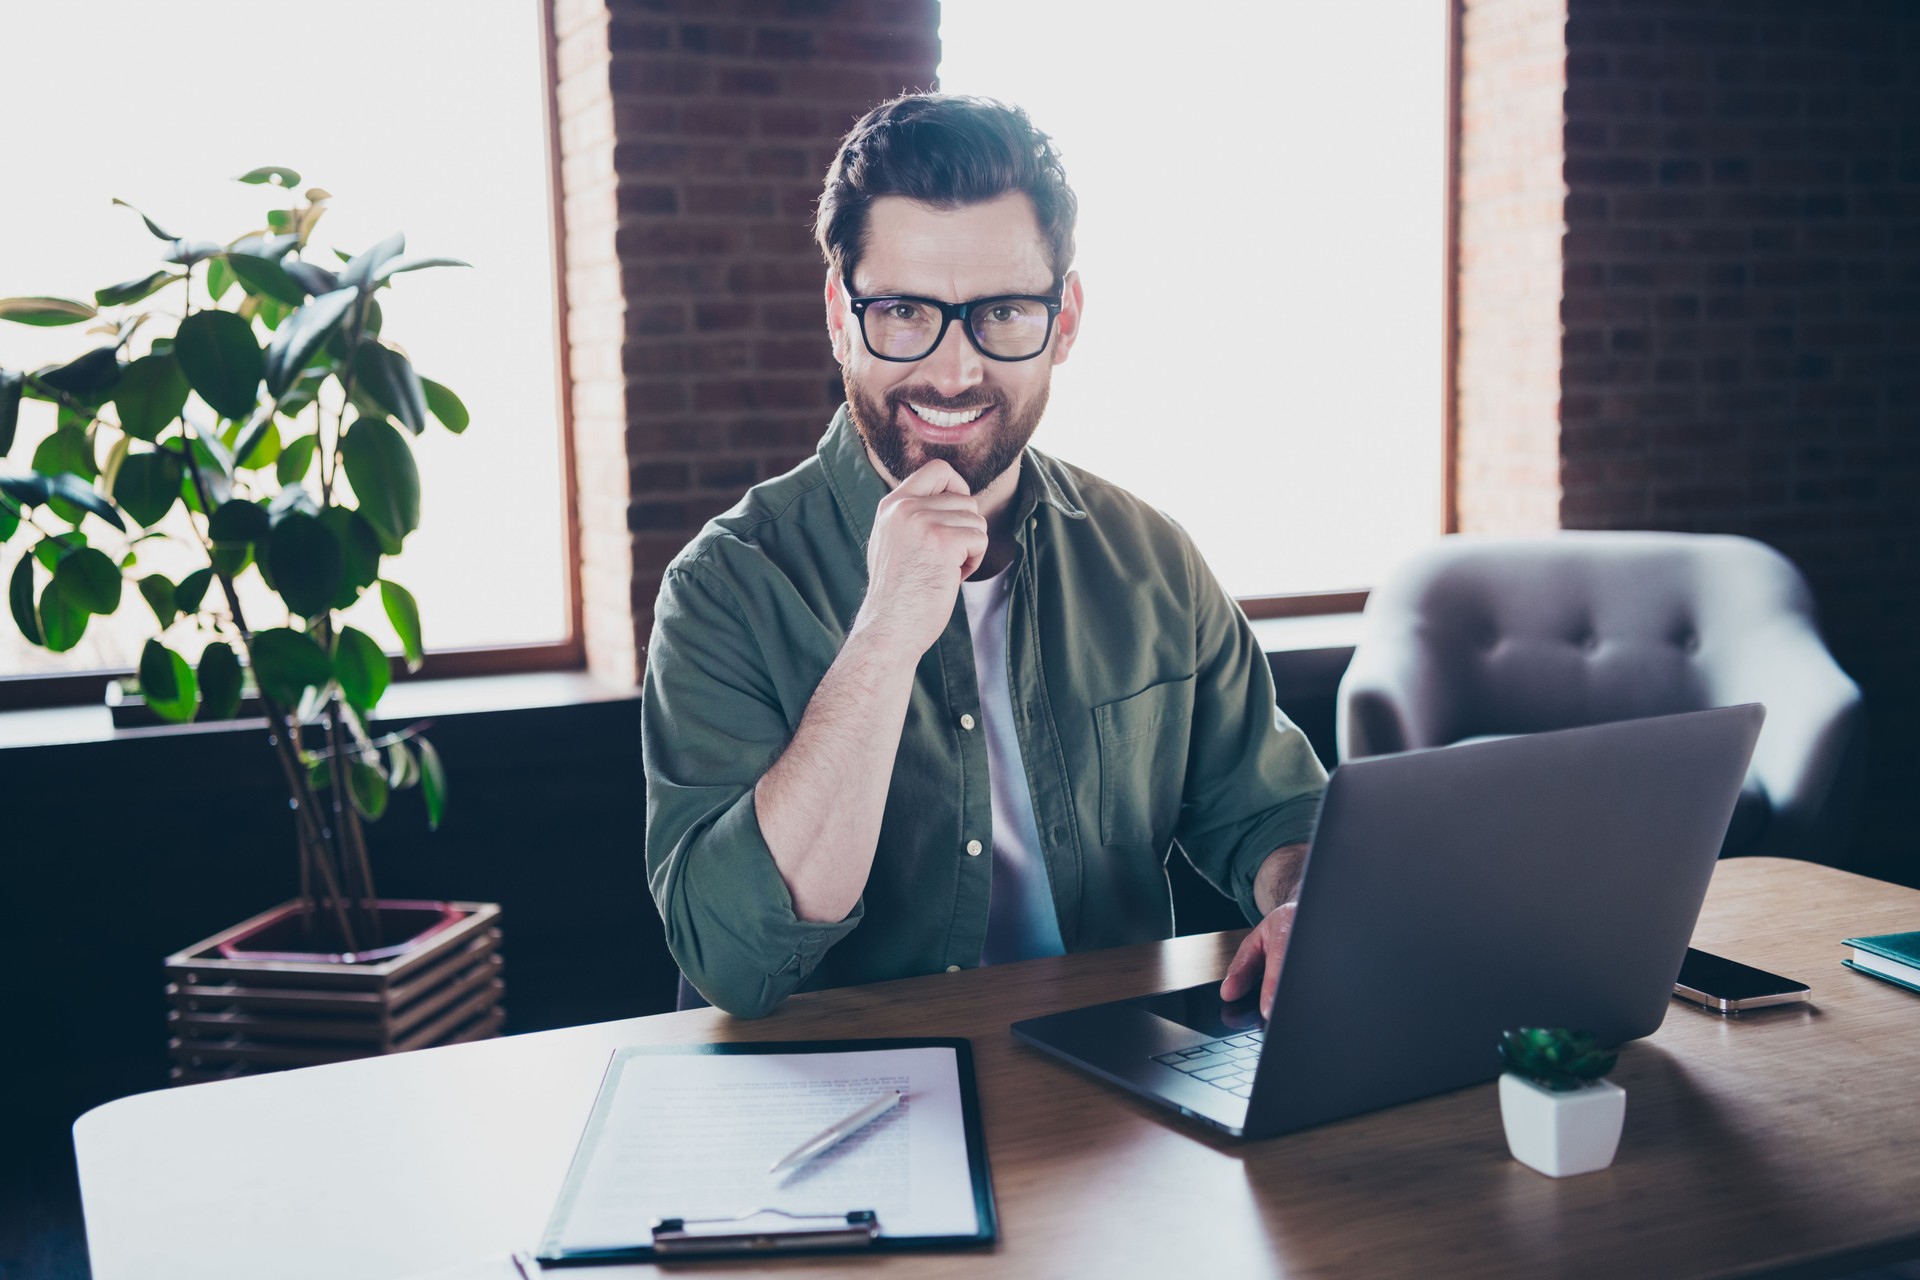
(1066, 326)
(837, 317)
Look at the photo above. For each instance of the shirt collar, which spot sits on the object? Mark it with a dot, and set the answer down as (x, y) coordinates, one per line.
(858, 488)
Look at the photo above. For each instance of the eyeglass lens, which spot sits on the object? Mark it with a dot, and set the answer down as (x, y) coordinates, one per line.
(904, 329)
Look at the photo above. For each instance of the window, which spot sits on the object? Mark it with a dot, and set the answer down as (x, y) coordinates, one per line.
(1262, 241)
(427, 118)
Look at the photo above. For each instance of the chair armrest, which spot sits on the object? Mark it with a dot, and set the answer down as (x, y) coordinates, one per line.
(1392, 698)
(1811, 742)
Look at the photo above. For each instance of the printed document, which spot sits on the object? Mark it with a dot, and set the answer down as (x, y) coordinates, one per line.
(692, 1135)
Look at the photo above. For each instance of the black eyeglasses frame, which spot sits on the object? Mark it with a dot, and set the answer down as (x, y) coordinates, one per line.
(951, 311)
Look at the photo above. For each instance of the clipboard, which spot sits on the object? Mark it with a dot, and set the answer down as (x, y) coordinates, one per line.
(624, 1120)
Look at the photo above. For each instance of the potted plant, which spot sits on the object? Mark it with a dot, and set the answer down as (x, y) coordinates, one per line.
(1561, 1114)
(241, 402)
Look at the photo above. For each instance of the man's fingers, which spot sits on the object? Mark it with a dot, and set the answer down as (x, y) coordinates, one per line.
(937, 476)
(1240, 971)
(1270, 984)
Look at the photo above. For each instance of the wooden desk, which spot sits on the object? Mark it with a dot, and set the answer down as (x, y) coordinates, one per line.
(1787, 1140)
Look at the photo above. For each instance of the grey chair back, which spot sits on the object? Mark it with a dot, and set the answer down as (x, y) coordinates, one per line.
(1484, 637)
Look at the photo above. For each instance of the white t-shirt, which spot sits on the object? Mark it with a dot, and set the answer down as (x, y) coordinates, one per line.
(1021, 921)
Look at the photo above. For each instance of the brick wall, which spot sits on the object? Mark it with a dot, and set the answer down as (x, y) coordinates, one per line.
(1743, 312)
(1511, 222)
(694, 138)
(1739, 289)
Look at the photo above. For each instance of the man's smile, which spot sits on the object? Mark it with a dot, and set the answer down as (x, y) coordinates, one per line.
(943, 418)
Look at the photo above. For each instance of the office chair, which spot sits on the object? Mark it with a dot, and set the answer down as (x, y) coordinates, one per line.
(1484, 637)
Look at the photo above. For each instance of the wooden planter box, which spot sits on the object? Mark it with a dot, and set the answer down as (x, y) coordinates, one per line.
(234, 1011)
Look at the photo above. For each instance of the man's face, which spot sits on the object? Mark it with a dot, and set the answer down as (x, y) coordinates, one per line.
(983, 411)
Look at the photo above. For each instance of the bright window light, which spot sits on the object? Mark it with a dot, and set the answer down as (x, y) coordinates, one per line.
(421, 117)
(1261, 242)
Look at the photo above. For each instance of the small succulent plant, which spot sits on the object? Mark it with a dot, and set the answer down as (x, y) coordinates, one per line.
(1554, 1058)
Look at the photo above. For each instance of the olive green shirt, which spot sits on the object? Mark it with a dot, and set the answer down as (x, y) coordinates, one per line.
(1143, 706)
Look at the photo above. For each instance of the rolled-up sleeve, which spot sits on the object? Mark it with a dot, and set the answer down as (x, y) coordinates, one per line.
(1253, 783)
(711, 724)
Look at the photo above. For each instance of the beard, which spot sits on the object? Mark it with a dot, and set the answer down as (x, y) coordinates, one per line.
(979, 462)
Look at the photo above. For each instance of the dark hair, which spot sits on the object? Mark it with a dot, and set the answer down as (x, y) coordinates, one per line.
(947, 151)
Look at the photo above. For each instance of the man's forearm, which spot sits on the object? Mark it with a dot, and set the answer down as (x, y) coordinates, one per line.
(1278, 878)
(821, 802)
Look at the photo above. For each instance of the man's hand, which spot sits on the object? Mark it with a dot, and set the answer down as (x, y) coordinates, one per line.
(1259, 957)
(1275, 885)
(928, 538)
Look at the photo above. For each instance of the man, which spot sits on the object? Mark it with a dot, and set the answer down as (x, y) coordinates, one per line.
(934, 699)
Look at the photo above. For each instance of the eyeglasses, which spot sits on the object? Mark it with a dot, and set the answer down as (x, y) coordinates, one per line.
(1010, 326)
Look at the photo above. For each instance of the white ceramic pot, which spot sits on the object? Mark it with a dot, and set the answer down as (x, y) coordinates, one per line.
(1562, 1133)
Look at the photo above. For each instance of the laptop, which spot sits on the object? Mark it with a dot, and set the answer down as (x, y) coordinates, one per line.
(1551, 880)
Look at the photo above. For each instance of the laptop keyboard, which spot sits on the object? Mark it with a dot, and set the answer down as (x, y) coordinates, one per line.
(1226, 1063)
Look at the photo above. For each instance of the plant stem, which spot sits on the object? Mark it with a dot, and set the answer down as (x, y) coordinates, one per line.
(286, 740)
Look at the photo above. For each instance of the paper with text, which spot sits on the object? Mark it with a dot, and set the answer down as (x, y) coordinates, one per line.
(692, 1136)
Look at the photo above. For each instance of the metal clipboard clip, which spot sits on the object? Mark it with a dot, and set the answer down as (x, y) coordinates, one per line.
(748, 1233)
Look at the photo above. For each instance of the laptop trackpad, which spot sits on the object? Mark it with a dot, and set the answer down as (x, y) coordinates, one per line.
(1201, 1009)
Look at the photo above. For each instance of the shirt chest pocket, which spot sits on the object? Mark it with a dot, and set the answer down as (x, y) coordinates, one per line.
(1143, 762)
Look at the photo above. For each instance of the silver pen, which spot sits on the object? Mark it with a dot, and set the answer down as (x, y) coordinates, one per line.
(836, 1131)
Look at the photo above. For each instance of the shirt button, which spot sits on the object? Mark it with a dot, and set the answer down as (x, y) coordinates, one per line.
(973, 848)
(953, 968)
(966, 722)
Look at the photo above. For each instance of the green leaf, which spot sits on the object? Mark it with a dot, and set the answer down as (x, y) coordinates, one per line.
(29, 490)
(89, 378)
(317, 281)
(148, 485)
(89, 580)
(359, 553)
(188, 252)
(304, 559)
(151, 224)
(403, 770)
(77, 492)
(10, 388)
(395, 266)
(445, 406)
(381, 469)
(167, 683)
(361, 668)
(368, 787)
(219, 280)
(222, 360)
(193, 590)
(404, 613)
(151, 393)
(219, 682)
(233, 529)
(45, 312)
(258, 444)
(159, 593)
(63, 621)
(296, 459)
(294, 342)
(433, 782)
(9, 521)
(389, 378)
(362, 266)
(116, 295)
(20, 601)
(50, 551)
(287, 662)
(263, 277)
(66, 450)
(270, 175)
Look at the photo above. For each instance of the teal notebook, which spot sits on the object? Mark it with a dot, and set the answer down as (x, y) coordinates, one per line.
(1890, 957)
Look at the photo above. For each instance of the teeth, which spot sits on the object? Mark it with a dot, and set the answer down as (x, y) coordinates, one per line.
(939, 419)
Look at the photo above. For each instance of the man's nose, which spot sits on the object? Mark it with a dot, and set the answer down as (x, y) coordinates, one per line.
(954, 365)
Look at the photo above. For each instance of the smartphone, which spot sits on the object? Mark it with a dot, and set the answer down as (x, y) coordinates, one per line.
(1727, 986)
